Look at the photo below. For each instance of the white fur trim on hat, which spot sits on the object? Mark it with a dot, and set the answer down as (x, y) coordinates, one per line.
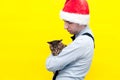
(76, 18)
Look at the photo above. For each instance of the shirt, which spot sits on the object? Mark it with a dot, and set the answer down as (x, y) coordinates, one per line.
(74, 61)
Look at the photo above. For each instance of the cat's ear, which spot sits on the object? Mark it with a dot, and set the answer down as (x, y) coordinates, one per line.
(60, 40)
(49, 42)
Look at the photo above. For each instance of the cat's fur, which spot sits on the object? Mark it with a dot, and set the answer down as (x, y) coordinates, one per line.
(56, 46)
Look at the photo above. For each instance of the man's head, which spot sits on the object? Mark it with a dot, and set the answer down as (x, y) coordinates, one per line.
(73, 28)
(75, 11)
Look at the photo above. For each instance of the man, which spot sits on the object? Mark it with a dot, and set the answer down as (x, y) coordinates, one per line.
(74, 61)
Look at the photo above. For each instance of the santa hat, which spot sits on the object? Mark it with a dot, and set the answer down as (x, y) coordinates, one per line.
(76, 11)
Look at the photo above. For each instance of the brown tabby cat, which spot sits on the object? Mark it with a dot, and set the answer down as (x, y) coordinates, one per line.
(56, 46)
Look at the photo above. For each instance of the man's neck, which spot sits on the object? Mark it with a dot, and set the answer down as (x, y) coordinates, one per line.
(81, 31)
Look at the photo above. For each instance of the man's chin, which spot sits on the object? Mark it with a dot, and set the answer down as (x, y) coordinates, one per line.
(71, 33)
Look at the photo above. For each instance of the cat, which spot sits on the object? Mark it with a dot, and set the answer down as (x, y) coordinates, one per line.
(56, 46)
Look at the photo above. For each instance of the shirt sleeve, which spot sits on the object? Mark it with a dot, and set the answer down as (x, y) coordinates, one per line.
(68, 55)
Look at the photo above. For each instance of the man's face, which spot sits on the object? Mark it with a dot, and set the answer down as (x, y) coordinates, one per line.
(72, 28)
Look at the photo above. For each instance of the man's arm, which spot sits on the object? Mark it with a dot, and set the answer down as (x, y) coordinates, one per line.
(69, 54)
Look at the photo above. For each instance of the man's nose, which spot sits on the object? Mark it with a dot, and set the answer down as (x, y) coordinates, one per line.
(65, 26)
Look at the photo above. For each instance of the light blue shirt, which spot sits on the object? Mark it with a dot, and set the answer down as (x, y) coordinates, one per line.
(74, 60)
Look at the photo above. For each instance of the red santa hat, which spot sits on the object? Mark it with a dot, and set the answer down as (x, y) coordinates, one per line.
(76, 11)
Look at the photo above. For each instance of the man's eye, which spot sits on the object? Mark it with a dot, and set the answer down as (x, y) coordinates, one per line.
(70, 22)
(67, 22)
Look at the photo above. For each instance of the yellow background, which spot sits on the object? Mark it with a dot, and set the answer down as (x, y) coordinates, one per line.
(26, 26)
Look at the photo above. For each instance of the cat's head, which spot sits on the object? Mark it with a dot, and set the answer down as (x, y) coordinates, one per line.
(55, 46)
(54, 43)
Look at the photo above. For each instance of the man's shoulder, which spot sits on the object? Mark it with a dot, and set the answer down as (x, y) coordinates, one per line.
(83, 39)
